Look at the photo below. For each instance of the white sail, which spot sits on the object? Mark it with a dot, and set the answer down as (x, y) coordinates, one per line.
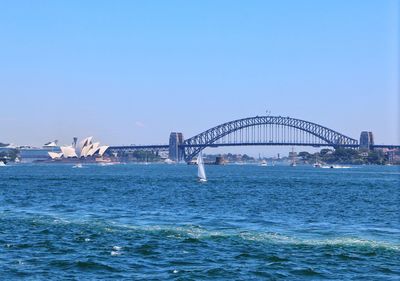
(201, 173)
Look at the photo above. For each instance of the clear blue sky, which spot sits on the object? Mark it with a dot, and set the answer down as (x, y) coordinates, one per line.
(132, 71)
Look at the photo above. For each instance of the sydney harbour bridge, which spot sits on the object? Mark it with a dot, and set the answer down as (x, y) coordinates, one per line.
(257, 131)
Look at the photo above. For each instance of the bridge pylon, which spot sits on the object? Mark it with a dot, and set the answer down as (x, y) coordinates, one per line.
(176, 152)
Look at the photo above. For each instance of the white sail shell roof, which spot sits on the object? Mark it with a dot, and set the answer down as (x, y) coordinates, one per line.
(68, 151)
(94, 148)
(54, 155)
(103, 149)
(85, 150)
(86, 142)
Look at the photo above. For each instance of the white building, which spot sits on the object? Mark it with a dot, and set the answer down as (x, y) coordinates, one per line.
(85, 149)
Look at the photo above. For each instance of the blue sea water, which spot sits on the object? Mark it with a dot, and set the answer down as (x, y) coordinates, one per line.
(156, 222)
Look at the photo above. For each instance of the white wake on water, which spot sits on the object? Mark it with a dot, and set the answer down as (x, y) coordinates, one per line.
(197, 232)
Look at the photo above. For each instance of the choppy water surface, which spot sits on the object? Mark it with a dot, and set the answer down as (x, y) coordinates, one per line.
(156, 222)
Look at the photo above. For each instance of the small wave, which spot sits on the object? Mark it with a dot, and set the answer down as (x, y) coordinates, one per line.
(147, 250)
(87, 265)
(305, 272)
(82, 265)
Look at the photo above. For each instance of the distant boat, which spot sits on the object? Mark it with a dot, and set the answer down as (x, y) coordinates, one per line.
(293, 162)
(169, 161)
(317, 165)
(201, 173)
(79, 165)
(338, 167)
(2, 164)
(263, 163)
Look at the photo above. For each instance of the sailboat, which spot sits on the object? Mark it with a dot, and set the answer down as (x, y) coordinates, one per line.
(293, 163)
(201, 173)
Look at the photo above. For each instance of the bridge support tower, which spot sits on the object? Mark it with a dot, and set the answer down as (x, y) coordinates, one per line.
(176, 152)
(366, 140)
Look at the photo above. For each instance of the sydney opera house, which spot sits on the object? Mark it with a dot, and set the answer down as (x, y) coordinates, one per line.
(85, 150)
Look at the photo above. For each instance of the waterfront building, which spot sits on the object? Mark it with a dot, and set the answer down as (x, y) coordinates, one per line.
(86, 149)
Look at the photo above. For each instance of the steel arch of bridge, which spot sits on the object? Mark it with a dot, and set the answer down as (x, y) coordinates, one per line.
(322, 136)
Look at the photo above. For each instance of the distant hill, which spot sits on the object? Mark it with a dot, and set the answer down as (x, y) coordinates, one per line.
(3, 144)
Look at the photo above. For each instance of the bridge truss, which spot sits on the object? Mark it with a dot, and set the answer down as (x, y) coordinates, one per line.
(266, 130)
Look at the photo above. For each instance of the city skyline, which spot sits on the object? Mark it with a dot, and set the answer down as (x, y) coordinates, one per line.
(134, 72)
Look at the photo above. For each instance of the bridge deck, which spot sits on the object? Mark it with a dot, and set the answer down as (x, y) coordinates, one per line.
(268, 144)
(160, 147)
(388, 146)
(137, 147)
